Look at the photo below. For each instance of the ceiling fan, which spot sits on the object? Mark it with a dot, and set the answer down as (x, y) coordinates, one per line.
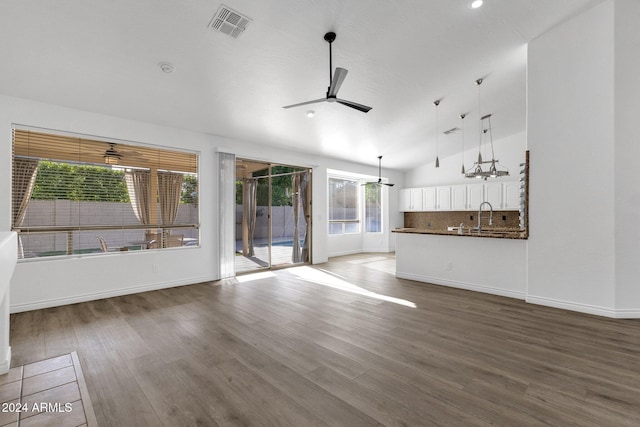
(379, 181)
(113, 156)
(335, 82)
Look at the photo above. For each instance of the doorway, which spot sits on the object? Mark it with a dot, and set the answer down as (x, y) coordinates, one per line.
(273, 215)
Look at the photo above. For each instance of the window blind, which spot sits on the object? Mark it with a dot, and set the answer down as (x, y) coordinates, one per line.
(79, 195)
(343, 206)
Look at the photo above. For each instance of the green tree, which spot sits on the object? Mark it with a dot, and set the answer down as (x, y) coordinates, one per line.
(189, 190)
(280, 187)
(79, 183)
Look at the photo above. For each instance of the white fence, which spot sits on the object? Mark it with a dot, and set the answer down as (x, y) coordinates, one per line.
(66, 213)
(281, 223)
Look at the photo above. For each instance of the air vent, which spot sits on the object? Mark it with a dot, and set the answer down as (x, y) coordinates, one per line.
(452, 130)
(229, 22)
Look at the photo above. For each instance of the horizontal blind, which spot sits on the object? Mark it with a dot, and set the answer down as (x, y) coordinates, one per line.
(343, 199)
(79, 149)
(76, 192)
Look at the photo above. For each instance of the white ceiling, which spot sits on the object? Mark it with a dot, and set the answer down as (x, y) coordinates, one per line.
(103, 55)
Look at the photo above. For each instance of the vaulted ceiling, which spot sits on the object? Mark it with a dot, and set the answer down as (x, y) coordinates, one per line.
(103, 56)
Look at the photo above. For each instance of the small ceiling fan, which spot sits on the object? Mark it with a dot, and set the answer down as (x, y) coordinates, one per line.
(379, 181)
(113, 156)
(335, 82)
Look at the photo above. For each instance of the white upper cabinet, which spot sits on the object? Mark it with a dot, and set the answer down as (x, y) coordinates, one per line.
(475, 196)
(443, 198)
(429, 199)
(404, 199)
(511, 195)
(410, 199)
(501, 195)
(493, 194)
(459, 198)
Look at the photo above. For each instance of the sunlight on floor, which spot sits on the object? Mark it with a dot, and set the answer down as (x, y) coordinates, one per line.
(326, 279)
(377, 262)
(254, 276)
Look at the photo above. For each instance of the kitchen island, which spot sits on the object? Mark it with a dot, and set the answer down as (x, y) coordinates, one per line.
(493, 261)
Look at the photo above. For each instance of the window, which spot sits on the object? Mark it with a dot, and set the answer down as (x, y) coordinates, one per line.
(344, 215)
(73, 195)
(373, 208)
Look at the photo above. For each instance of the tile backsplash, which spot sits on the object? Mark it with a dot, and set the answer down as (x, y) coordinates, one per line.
(442, 219)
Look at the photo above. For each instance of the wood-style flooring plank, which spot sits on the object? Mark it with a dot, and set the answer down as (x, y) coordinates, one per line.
(345, 343)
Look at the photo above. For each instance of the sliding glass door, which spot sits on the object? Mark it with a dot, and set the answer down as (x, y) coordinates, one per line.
(273, 215)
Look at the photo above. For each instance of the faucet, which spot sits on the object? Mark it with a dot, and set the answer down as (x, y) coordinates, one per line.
(480, 215)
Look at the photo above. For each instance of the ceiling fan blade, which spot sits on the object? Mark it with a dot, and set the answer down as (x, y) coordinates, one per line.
(338, 77)
(378, 183)
(355, 105)
(306, 103)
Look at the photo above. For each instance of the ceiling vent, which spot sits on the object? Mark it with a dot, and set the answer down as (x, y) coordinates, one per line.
(229, 22)
(452, 130)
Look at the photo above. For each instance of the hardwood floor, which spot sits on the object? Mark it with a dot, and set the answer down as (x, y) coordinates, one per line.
(340, 344)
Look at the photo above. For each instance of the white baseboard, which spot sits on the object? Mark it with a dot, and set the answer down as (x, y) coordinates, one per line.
(342, 253)
(585, 308)
(462, 285)
(55, 302)
(5, 364)
(362, 251)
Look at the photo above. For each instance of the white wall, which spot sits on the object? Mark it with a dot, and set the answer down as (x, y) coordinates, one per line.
(627, 193)
(510, 151)
(583, 104)
(571, 141)
(322, 245)
(495, 266)
(44, 283)
(345, 244)
(8, 258)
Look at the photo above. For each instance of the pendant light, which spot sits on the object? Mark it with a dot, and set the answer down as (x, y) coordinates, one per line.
(462, 116)
(436, 103)
(485, 129)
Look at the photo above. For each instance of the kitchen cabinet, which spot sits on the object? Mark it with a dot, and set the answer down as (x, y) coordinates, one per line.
(475, 196)
(429, 199)
(511, 195)
(443, 198)
(493, 194)
(501, 195)
(410, 199)
(436, 198)
(459, 198)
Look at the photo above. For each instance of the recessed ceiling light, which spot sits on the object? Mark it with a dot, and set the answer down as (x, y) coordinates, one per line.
(475, 4)
(311, 113)
(166, 67)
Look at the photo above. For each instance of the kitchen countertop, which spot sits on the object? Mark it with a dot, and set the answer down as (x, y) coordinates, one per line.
(493, 232)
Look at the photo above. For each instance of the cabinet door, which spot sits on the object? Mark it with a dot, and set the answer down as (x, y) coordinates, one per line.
(405, 200)
(493, 194)
(443, 198)
(459, 197)
(475, 196)
(429, 201)
(416, 199)
(511, 195)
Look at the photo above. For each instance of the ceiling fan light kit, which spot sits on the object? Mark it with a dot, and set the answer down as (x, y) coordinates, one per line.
(112, 156)
(335, 82)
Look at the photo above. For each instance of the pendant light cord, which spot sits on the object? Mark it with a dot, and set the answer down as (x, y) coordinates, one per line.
(479, 82)
(493, 156)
